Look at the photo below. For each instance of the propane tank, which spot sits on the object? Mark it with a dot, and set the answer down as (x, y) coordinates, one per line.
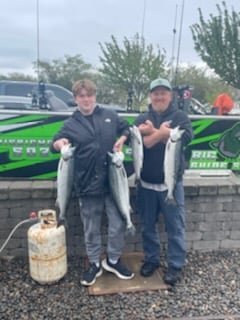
(47, 249)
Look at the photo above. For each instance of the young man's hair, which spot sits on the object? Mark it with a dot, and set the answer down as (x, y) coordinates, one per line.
(88, 85)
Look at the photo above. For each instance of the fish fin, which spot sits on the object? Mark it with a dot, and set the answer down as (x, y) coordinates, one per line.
(62, 222)
(171, 201)
(131, 230)
(137, 181)
(130, 209)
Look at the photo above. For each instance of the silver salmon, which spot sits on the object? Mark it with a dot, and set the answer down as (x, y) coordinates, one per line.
(64, 181)
(119, 188)
(172, 160)
(137, 151)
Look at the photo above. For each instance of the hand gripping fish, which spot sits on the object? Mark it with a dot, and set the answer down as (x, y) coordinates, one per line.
(64, 181)
(137, 151)
(172, 160)
(119, 188)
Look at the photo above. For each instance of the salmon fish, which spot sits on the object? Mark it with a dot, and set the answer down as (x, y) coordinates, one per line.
(137, 151)
(172, 160)
(64, 181)
(119, 188)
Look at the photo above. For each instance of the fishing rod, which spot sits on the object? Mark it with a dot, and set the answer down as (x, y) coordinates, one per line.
(179, 42)
(173, 44)
(143, 19)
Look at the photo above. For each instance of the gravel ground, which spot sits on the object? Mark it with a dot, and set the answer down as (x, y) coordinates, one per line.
(210, 289)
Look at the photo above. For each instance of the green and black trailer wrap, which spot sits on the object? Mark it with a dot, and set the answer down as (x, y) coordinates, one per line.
(25, 138)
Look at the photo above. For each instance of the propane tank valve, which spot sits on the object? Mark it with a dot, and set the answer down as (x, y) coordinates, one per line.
(33, 215)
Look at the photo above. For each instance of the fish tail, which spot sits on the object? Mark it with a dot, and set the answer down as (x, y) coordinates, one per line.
(137, 180)
(57, 203)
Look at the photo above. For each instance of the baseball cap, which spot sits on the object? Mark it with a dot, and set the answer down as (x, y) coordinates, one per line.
(160, 82)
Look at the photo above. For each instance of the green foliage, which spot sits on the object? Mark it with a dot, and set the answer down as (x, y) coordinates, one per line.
(63, 71)
(217, 41)
(106, 93)
(131, 67)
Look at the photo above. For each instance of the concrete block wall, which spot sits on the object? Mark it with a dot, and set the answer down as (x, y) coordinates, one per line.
(212, 215)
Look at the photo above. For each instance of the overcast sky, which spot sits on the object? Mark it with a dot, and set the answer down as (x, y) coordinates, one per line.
(76, 27)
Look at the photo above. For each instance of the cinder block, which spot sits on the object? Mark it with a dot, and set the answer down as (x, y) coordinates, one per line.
(234, 235)
(218, 216)
(227, 189)
(4, 213)
(210, 207)
(206, 245)
(215, 235)
(208, 190)
(236, 215)
(230, 244)
(194, 217)
(193, 236)
(234, 225)
(207, 226)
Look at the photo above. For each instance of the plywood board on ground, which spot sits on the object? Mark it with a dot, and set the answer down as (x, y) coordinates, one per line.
(108, 283)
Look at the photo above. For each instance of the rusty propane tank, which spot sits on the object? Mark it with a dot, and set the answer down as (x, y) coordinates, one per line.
(47, 249)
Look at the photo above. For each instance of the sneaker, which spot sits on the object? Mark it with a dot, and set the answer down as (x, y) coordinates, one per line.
(91, 274)
(172, 276)
(148, 269)
(118, 269)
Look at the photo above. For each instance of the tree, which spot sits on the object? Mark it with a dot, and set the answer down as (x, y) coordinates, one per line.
(107, 93)
(218, 43)
(130, 68)
(63, 71)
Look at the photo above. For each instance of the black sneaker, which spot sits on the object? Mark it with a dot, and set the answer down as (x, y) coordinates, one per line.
(91, 274)
(172, 276)
(118, 269)
(148, 269)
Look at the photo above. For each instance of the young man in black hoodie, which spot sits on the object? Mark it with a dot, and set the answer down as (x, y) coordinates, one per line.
(95, 131)
(155, 127)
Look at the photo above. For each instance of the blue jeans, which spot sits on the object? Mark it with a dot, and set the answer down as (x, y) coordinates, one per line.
(92, 210)
(150, 204)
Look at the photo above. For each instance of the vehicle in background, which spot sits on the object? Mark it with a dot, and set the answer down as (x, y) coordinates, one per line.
(52, 103)
(115, 107)
(16, 103)
(29, 89)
